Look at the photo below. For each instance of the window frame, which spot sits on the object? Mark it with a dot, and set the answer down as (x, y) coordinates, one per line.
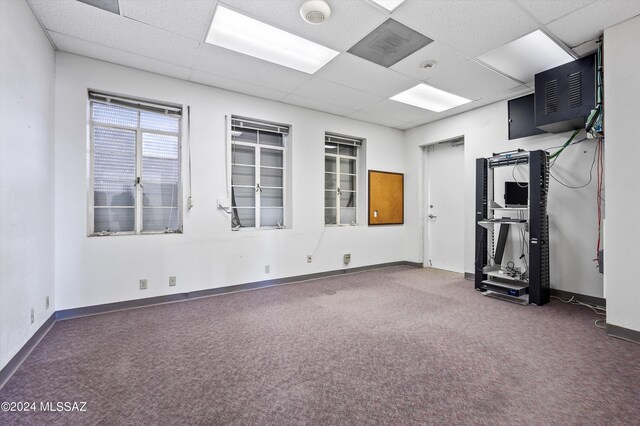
(136, 105)
(259, 125)
(344, 140)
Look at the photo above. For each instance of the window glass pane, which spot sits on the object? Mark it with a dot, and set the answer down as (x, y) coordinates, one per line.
(160, 146)
(113, 219)
(271, 198)
(244, 135)
(330, 164)
(113, 193)
(115, 115)
(243, 155)
(330, 198)
(330, 216)
(271, 177)
(160, 194)
(347, 199)
(158, 121)
(119, 141)
(243, 175)
(347, 216)
(271, 217)
(243, 197)
(348, 150)
(330, 148)
(271, 157)
(269, 138)
(347, 166)
(159, 170)
(330, 181)
(347, 182)
(243, 218)
(159, 219)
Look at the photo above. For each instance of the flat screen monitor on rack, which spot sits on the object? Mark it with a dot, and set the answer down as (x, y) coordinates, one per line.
(516, 194)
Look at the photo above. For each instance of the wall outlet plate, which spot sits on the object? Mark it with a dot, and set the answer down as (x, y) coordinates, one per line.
(33, 316)
(309, 258)
(267, 269)
(46, 303)
(143, 284)
(172, 281)
(346, 258)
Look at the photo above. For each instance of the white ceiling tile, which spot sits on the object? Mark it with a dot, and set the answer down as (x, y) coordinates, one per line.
(237, 86)
(188, 18)
(317, 105)
(350, 20)
(360, 74)
(589, 22)
(397, 110)
(89, 23)
(445, 57)
(73, 45)
(548, 10)
(226, 63)
(472, 81)
(473, 26)
(377, 119)
(336, 94)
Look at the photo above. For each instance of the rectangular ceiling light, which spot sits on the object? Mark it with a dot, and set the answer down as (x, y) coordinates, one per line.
(428, 97)
(527, 56)
(390, 5)
(234, 31)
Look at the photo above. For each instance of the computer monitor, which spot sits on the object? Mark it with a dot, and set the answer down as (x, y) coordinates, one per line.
(516, 194)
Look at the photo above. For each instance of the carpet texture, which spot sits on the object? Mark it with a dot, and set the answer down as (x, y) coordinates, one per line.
(391, 346)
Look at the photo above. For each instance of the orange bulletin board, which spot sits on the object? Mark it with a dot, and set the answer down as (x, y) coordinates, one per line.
(386, 198)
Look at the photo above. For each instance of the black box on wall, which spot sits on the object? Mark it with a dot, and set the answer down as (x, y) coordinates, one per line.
(565, 95)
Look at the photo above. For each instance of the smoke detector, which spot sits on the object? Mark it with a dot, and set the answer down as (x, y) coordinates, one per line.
(428, 65)
(315, 11)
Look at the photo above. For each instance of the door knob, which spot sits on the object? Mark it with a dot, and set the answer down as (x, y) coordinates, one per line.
(432, 216)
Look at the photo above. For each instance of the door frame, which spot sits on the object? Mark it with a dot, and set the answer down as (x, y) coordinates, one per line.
(424, 193)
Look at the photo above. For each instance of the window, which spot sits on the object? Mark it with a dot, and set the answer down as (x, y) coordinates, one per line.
(257, 173)
(135, 166)
(340, 179)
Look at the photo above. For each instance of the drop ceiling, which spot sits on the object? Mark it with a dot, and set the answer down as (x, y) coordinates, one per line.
(167, 37)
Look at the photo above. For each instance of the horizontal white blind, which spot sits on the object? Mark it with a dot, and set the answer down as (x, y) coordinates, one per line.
(343, 140)
(250, 123)
(136, 103)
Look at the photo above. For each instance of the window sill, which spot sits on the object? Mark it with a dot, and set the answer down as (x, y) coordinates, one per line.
(123, 234)
(333, 225)
(264, 228)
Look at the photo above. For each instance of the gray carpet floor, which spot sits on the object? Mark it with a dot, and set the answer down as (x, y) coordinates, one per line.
(392, 346)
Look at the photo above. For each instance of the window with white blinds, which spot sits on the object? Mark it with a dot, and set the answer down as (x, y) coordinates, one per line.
(257, 173)
(135, 166)
(340, 179)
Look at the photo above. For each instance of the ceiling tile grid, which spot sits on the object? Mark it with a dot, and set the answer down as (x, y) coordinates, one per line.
(167, 37)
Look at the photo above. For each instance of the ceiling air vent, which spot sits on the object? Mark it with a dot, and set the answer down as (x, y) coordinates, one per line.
(551, 96)
(391, 42)
(575, 90)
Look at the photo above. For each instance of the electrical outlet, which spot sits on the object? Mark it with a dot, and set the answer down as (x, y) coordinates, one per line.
(46, 303)
(143, 284)
(309, 258)
(172, 281)
(346, 258)
(267, 269)
(33, 316)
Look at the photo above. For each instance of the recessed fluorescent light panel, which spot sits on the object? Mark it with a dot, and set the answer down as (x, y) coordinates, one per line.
(234, 31)
(108, 5)
(390, 5)
(527, 56)
(428, 97)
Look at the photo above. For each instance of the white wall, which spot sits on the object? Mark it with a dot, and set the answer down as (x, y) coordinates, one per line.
(96, 270)
(27, 66)
(573, 223)
(622, 233)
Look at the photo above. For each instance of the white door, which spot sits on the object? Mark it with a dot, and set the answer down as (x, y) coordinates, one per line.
(444, 210)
